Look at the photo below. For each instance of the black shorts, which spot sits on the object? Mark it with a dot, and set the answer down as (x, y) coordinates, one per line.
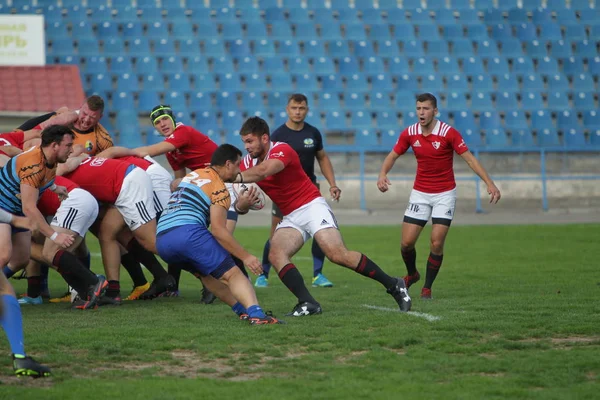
(276, 212)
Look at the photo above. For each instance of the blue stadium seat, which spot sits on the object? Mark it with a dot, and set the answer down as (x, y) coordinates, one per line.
(274, 15)
(314, 48)
(335, 121)
(575, 32)
(224, 14)
(473, 66)
(264, 48)
(456, 101)
(252, 100)
(152, 82)
(506, 101)
(207, 30)
(177, 100)
(226, 100)
(497, 66)
(428, 33)
(56, 30)
(229, 82)
(413, 49)
(94, 65)
(590, 16)
(561, 49)
(299, 65)
(382, 83)
(179, 81)
(536, 49)
(388, 4)
(541, 120)
(164, 47)
(323, 65)
(223, 65)
(330, 31)
(151, 15)
(256, 30)
(365, 137)
(481, 101)
(496, 137)
(550, 31)
(355, 31)
(328, 101)
(332, 82)
(491, 16)
(386, 119)
(125, 14)
(445, 17)
(277, 100)
(522, 66)
(407, 82)
(107, 30)
(558, 83)
(431, 83)
(572, 66)
(360, 120)
(548, 137)
(197, 65)
(586, 48)
(583, 101)
(389, 137)
(363, 48)
(232, 122)
(469, 17)
(457, 83)
(306, 83)
(273, 65)
(214, 48)
(487, 48)
(205, 82)
(403, 31)
(76, 13)
(583, 82)
(489, 120)
(181, 30)
(506, 5)
(127, 83)
(594, 67)
(511, 48)
(472, 136)
(421, 18)
(354, 101)
(591, 119)
(531, 101)
(482, 83)
(438, 48)
(288, 48)
(282, 81)
(201, 101)
(501, 31)
(411, 4)
(515, 120)
(381, 32)
(147, 100)
(595, 137)
(399, 65)
(404, 101)
(172, 64)
(522, 138)
(448, 66)
(508, 83)
(526, 32)
(423, 66)
(452, 32)
(188, 47)
(281, 30)
(580, 5)
(567, 119)
(82, 30)
(176, 15)
(250, 14)
(558, 101)
(547, 66)
(518, 16)
(122, 101)
(132, 30)
(541, 15)
(372, 16)
(574, 137)
(206, 119)
(357, 82)
(121, 65)
(373, 65)
(100, 83)
(337, 49)
(231, 30)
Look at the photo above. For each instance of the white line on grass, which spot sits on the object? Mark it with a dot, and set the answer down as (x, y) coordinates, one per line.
(426, 316)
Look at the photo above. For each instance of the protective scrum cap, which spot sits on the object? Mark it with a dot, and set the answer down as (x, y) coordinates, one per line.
(159, 111)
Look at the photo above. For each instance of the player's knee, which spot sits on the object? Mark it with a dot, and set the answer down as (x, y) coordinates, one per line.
(406, 246)
(48, 253)
(437, 246)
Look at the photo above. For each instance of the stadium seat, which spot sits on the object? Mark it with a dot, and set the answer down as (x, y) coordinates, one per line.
(314, 48)
(531, 101)
(360, 120)
(522, 138)
(497, 66)
(482, 83)
(496, 138)
(533, 83)
(567, 119)
(572, 66)
(380, 101)
(547, 66)
(299, 65)
(139, 47)
(306, 83)
(515, 120)
(201, 101)
(487, 48)
(574, 137)
(448, 66)
(560, 49)
(591, 119)
(506, 101)
(548, 138)
(328, 101)
(489, 120)
(335, 121)
(473, 66)
(197, 65)
(457, 83)
(583, 82)
(558, 83)
(523, 66)
(147, 100)
(526, 32)
(205, 82)
(288, 48)
(541, 120)
(456, 101)
(365, 137)
(583, 101)
(387, 120)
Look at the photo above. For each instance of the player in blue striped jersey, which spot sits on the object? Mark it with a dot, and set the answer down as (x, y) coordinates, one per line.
(202, 200)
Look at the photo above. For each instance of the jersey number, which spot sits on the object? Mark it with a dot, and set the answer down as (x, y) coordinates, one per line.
(195, 179)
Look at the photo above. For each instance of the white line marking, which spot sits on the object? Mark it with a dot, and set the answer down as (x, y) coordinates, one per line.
(426, 316)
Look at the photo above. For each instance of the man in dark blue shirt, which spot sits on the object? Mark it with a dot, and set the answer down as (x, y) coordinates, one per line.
(308, 143)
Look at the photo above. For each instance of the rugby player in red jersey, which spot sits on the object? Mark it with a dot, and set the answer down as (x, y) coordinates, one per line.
(277, 170)
(434, 192)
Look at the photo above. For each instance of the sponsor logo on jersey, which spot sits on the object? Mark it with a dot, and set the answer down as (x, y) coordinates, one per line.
(417, 144)
(462, 144)
(280, 154)
(308, 142)
(449, 213)
(436, 145)
(89, 145)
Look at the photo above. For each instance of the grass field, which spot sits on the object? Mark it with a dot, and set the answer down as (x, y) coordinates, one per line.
(515, 315)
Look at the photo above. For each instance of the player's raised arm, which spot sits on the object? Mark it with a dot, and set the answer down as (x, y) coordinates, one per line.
(476, 166)
(382, 181)
(116, 152)
(154, 150)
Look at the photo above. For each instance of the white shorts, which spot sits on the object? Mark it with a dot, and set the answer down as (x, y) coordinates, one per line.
(77, 212)
(438, 206)
(161, 185)
(135, 201)
(310, 218)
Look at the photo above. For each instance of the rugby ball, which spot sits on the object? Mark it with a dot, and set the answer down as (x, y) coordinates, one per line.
(239, 188)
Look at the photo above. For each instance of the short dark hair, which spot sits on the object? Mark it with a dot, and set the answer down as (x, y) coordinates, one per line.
(223, 153)
(423, 97)
(298, 98)
(255, 126)
(95, 103)
(55, 134)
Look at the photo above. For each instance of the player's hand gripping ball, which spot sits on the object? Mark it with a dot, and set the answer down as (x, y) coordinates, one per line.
(240, 188)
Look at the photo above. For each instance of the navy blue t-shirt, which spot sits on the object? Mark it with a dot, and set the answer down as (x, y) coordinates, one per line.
(307, 142)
